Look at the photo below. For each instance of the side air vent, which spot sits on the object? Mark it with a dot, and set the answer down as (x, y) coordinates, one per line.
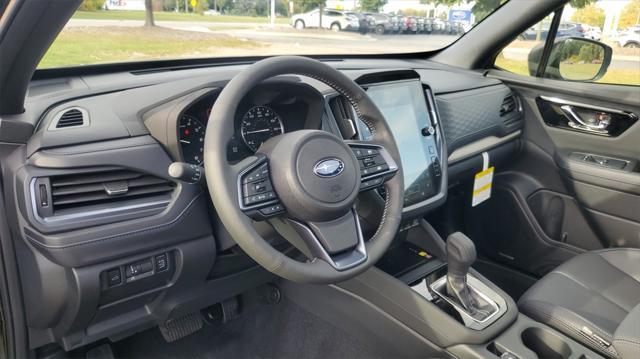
(80, 200)
(344, 114)
(69, 118)
(510, 111)
(108, 189)
(509, 104)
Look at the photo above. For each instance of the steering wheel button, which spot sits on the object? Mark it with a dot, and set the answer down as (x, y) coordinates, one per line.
(253, 188)
(358, 152)
(368, 162)
(276, 208)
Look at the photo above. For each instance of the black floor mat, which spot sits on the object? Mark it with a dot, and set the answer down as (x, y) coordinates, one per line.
(280, 331)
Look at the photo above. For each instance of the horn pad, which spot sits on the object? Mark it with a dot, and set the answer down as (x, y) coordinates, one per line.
(314, 173)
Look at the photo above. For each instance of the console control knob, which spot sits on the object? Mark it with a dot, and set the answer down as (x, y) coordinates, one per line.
(186, 172)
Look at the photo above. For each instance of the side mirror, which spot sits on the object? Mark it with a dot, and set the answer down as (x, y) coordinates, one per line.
(573, 59)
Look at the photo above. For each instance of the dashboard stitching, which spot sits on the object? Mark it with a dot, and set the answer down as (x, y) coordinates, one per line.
(127, 234)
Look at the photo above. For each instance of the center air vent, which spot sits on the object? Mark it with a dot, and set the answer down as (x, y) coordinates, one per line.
(108, 189)
(69, 118)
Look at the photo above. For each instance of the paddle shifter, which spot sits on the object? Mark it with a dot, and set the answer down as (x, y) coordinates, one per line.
(461, 253)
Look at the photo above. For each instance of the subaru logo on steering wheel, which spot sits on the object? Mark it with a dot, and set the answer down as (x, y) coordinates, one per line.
(329, 167)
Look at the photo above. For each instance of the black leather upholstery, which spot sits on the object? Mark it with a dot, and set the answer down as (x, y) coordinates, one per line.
(588, 297)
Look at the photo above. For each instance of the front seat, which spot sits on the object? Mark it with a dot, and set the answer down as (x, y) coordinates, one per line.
(589, 297)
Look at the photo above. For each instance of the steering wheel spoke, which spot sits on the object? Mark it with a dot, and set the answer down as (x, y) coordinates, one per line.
(258, 199)
(376, 164)
(338, 242)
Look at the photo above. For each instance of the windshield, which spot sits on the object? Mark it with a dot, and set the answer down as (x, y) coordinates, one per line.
(110, 31)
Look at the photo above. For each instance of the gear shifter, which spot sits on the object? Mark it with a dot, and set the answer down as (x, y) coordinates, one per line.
(461, 253)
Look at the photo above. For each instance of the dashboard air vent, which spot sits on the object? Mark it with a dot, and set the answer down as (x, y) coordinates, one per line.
(510, 112)
(116, 187)
(344, 114)
(69, 118)
(509, 104)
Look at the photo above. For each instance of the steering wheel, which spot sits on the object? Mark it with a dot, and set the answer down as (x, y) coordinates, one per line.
(311, 175)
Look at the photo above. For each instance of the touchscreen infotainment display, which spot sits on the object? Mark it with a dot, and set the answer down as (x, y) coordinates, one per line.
(404, 107)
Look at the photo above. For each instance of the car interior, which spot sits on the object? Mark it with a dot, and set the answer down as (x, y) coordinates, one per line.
(360, 206)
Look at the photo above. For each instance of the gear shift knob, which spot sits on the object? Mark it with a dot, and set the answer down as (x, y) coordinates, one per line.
(461, 253)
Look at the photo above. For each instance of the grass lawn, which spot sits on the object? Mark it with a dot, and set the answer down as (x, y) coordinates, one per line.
(92, 45)
(613, 75)
(171, 16)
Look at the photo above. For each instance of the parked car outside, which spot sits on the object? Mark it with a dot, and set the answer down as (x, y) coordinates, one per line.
(438, 26)
(570, 29)
(630, 39)
(363, 22)
(398, 24)
(565, 29)
(412, 25)
(380, 23)
(422, 22)
(593, 32)
(331, 19)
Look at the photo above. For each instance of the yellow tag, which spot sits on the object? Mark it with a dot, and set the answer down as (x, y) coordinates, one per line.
(423, 254)
(194, 3)
(482, 186)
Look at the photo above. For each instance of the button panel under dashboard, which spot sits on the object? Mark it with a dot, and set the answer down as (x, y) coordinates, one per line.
(136, 271)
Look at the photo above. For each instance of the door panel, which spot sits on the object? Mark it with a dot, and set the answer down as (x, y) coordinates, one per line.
(566, 202)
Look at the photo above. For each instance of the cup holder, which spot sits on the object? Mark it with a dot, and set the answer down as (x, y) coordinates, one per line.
(545, 343)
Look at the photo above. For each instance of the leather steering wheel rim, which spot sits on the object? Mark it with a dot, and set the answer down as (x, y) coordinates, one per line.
(222, 177)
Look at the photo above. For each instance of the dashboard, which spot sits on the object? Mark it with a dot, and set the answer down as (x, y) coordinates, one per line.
(95, 200)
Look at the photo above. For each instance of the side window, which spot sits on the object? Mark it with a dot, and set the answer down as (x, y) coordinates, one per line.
(514, 57)
(597, 43)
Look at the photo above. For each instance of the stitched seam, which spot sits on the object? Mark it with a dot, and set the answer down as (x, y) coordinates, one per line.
(384, 215)
(632, 341)
(344, 93)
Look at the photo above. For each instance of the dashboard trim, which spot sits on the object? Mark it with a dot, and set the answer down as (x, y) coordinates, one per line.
(480, 146)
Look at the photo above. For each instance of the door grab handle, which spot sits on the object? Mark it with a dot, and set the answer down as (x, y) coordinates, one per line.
(576, 122)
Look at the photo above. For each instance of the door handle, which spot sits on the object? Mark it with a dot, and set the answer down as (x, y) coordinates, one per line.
(598, 124)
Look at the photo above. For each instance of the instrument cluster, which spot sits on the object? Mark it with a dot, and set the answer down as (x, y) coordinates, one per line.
(267, 111)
